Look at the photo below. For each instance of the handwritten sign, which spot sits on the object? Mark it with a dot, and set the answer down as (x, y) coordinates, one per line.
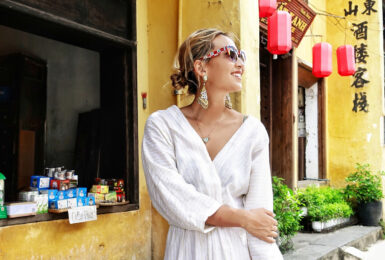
(301, 18)
(82, 214)
(360, 30)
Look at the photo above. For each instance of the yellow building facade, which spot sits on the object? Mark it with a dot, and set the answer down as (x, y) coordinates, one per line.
(350, 136)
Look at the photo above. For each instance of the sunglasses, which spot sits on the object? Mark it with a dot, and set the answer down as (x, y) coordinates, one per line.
(230, 51)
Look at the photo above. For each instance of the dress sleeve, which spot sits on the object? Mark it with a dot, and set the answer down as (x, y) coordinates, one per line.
(177, 201)
(260, 195)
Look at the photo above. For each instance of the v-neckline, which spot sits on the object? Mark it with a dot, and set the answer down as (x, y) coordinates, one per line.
(200, 139)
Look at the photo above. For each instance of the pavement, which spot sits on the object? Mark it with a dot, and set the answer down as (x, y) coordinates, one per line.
(349, 243)
(376, 251)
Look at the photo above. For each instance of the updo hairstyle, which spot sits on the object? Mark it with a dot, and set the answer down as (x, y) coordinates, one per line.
(197, 45)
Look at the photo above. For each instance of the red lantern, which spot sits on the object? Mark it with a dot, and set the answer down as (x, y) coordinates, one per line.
(267, 7)
(279, 32)
(346, 60)
(322, 59)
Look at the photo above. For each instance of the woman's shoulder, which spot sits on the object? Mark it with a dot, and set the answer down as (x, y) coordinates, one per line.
(163, 115)
(164, 118)
(256, 129)
(255, 122)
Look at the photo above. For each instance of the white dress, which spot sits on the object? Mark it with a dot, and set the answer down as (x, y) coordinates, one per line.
(186, 186)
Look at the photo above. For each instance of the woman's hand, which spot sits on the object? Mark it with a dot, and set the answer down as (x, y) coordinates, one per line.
(258, 222)
(261, 224)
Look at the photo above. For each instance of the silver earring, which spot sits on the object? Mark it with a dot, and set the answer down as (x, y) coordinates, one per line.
(228, 103)
(202, 99)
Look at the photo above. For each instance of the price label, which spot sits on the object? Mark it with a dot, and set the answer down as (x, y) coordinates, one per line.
(82, 214)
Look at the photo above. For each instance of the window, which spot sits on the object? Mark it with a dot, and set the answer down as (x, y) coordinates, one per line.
(76, 103)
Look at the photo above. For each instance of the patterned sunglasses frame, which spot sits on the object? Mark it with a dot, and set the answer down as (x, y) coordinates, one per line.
(231, 51)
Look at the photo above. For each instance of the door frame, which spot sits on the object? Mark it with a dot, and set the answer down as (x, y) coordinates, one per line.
(306, 79)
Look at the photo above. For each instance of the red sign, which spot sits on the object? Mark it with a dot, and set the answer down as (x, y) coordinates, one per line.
(301, 18)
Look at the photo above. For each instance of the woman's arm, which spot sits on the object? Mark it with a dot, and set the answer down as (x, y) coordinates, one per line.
(177, 201)
(260, 195)
(258, 222)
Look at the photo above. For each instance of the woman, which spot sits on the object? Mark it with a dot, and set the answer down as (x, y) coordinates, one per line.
(206, 165)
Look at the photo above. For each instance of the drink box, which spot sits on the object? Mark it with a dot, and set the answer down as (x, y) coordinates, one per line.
(72, 203)
(43, 191)
(21, 209)
(60, 184)
(100, 189)
(39, 190)
(27, 195)
(40, 182)
(81, 192)
(58, 204)
(71, 193)
(61, 195)
(41, 203)
(51, 204)
(110, 197)
(73, 183)
(52, 194)
(81, 201)
(3, 212)
(98, 197)
(90, 201)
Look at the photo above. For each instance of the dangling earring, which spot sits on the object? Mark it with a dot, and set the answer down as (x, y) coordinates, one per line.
(228, 102)
(203, 100)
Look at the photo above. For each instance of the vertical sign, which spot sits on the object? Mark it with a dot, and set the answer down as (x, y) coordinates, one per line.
(360, 33)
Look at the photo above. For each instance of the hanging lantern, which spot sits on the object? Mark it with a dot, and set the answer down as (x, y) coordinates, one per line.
(279, 32)
(322, 59)
(346, 60)
(267, 7)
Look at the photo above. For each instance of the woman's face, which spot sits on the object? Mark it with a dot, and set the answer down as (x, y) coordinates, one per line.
(222, 73)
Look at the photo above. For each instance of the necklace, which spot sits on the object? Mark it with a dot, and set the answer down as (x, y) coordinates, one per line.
(207, 138)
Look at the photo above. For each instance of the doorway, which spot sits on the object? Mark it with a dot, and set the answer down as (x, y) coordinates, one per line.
(311, 125)
(277, 110)
(277, 115)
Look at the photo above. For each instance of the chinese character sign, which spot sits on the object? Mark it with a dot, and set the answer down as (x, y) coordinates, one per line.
(359, 12)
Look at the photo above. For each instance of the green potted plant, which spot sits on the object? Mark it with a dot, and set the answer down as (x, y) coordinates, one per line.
(288, 213)
(326, 207)
(364, 191)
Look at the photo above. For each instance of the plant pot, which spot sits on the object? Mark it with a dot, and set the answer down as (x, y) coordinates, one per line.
(369, 213)
(319, 226)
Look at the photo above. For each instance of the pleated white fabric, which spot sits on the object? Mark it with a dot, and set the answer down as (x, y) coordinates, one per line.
(187, 187)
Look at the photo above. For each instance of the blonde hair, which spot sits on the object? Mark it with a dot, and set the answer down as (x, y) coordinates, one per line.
(196, 46)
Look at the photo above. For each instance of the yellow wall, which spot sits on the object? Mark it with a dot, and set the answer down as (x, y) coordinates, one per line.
(354, 137)
(161, 26)
(241, 19)
(162, 29)
(113, 236)
(351, 137)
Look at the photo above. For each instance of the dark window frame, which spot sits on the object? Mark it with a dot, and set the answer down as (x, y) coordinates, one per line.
(119, 51)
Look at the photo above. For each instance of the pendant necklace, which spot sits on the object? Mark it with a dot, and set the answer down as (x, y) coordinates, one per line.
(207, 138)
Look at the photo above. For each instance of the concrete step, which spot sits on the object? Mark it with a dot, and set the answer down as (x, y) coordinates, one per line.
(333, 245)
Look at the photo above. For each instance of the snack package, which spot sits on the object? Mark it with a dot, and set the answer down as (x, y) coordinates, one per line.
(40, 182)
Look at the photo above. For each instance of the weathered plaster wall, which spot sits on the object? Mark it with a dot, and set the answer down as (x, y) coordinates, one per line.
(354, 137)
(113, 236)
(351, 137)
(162, 32)
(239, 18)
